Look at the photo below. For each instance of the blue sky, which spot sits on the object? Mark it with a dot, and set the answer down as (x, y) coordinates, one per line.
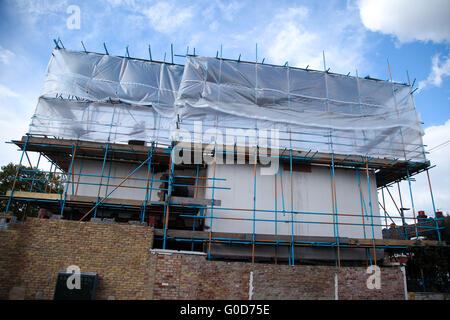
(355, 35)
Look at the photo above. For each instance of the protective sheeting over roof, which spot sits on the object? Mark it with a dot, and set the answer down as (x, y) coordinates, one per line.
(99, 121)
(313, 110)
(98, 97)
(98, 77)
(90, 96)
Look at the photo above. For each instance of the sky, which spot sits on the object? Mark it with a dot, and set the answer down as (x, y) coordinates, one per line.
(356, 35)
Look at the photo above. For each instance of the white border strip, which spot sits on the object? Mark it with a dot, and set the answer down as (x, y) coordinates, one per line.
(166, 251)
(336, 287)
(404, 282)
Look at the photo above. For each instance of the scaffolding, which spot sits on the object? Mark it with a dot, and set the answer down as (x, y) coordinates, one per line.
(108, 117)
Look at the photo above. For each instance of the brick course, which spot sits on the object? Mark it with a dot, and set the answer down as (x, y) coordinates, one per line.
(33, 253)
(352, 285)
(190, 277)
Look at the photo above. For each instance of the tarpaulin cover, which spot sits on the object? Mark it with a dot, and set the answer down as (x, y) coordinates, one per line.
(313, 110)
(99, 97)
(99, 121)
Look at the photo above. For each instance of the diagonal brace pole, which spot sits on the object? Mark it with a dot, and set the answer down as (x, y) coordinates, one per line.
(115, 188)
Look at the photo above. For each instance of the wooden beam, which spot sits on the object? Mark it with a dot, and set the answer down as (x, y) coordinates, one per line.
(194, 201)
(389, 169)
(34, 195)
(187, 234)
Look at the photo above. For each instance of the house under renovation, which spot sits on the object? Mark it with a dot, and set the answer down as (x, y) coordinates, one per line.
(237, 160)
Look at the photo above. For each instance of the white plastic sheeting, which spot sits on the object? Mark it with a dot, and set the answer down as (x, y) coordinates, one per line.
(97, 77)
(99, 121)
(313, 110)
(99, 97)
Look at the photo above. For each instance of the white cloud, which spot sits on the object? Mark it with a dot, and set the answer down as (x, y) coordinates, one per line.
(216, 10)
(12, 128)
(116, 3)
(425, 20)
(434, 136)
(6, 92)
(229, 10)
(167, 17)
(5, 55)
(213, 26)
(15, 113)
(297, 36)
(440, 68)
(42, 7)
(438, 157)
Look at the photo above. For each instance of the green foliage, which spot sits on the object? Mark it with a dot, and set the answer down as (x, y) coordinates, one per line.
(27, 180)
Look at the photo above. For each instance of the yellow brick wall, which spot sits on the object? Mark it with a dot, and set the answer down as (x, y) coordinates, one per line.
(193, 277)
(32, 254)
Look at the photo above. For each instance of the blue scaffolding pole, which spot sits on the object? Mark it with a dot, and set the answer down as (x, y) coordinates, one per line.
(17, 174)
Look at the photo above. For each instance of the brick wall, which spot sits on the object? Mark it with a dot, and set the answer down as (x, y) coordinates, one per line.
(33, 253)
(284, 282)
(352, 285)
(9, 259)
(184, 276)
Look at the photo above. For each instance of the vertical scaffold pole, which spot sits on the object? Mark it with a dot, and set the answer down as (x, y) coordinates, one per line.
(212, 202)
(434, 208)
(151, 186)
(363, 210)
(282, 191)
(101, 179)
(358, 86)
(363, 204)
(333, 215)
(292, 209)
(109, 177)
(335, 209)
(412, 202)
(150, 155)
(195, 197)
(276, 204)
(396, 109)
(17, 175)
(402, 213)
(414, 105)
(276, 213)
(254, 208)
(371, 212)
(168, 194)
(385, 212)
(196, 181)
(333, 185)
(74, 152)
